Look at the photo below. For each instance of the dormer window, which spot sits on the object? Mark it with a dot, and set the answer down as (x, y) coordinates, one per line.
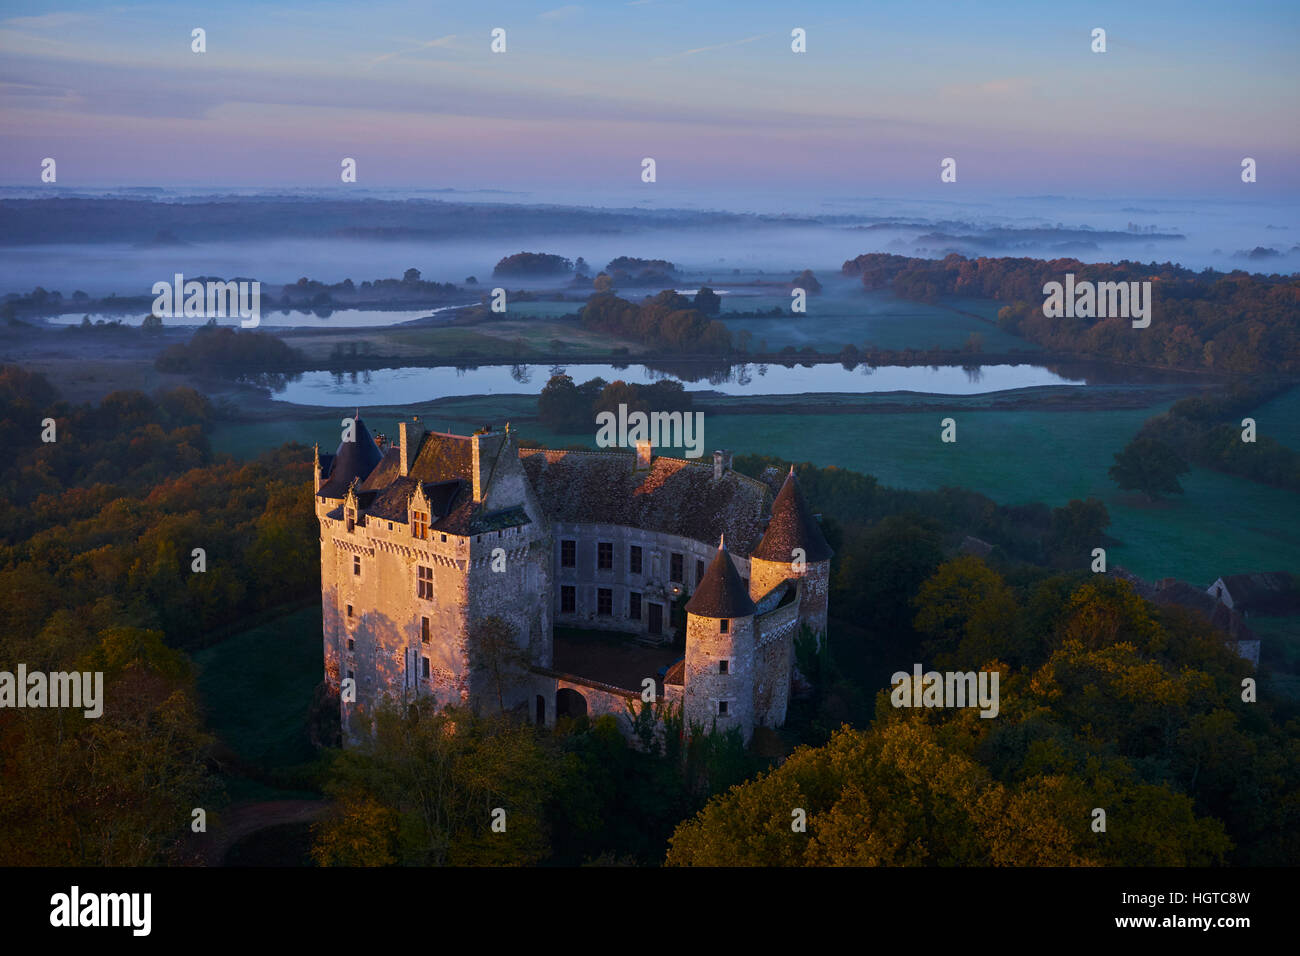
(420, 525)
(351, 519)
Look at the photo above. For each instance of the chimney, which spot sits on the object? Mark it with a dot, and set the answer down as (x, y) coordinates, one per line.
(317, 477)
(643, 454)
(408, 442)
(721, 463)
(487, 447)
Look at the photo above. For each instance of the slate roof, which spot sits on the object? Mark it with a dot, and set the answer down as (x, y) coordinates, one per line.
(1268, 592)
(391, 503)
(674, 496)
(792, 526)
(354, 459)
(721, 593)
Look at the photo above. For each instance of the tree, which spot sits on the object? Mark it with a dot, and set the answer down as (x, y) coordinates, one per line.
(359, 831)
(562, 407)
(1076, 530)
(440, 777)
(411, 276)
(602, 282)
(708, 301)
(967, 611)
(1149, 466)
(808, 282)
(494, 649)
(152, 324)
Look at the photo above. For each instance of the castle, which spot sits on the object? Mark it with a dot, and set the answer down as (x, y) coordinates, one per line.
(425, 541)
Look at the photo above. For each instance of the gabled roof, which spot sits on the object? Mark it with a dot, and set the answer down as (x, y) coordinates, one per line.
(354, 460)
(721, 593)
(392, 502)
(792, 526)
(1267, 592)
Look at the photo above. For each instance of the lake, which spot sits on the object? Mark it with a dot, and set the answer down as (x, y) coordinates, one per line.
(403, 386)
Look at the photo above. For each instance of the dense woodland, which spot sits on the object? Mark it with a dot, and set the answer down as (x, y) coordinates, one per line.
(96, 573)
(1225, 322)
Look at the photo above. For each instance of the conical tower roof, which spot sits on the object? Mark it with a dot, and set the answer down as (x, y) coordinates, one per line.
(354, 459)
(792, 526)
(721, 593)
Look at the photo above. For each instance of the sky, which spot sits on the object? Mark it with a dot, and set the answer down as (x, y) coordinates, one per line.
(711, 91)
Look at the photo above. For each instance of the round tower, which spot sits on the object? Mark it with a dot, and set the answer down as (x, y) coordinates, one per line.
(794, 547)
(720, 670)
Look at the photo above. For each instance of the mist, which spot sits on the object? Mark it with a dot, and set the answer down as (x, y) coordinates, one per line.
(704, 244)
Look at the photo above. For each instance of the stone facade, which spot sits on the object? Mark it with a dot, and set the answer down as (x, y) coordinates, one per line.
(424, 540)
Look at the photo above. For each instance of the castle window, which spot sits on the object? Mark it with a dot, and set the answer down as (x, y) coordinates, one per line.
(424, 667)
(604, 602)
(722, 708)
(356, 565)
(424, 582)
(419, 525)
(568, 554)
(444, 538)
(568, 599)
(349, 610)
(723, 626)
(352, 520)
(352, 645)
(634, 559)
(424, 630)
(350, 676)
(699, 572)
(675, 567)
(605, 555)
(390, 526)
(634, 606)
(722, 666)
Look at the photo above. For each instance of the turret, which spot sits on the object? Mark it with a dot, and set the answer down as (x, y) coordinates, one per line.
(719, 670)
(794, 547)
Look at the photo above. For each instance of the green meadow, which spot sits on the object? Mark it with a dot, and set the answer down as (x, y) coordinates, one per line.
(257, 685)
(870, 318)
(1279, 419)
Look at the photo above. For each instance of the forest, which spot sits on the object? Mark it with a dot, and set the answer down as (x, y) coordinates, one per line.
(1233, 322)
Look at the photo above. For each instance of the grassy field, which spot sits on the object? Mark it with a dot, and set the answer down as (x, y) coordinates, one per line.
(1280, 418)
(525, 332)
(257, 686)
(876, 318)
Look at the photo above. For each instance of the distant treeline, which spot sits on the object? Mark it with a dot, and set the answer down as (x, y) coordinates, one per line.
(305, 294)
(310, 293)
(1228, 322)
